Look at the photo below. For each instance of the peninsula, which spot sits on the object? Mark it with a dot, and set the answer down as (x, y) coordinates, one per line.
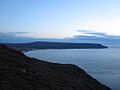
(53, 45)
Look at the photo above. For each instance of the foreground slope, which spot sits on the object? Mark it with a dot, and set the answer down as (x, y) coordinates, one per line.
(18, 72)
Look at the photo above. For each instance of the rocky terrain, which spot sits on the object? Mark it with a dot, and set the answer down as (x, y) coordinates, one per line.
(19, 72)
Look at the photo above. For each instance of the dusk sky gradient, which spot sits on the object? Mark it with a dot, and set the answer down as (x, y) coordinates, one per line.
(59, 18)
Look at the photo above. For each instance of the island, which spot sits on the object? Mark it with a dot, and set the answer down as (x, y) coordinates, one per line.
(53, 45)
(19, 72)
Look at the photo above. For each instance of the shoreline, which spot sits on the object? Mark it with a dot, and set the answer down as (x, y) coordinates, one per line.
(24, 51)
(27, 72)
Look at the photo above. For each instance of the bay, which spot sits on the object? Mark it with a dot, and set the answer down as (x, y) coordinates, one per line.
(102, 64)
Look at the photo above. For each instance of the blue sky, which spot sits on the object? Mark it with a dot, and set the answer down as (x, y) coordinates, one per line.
(59, 18)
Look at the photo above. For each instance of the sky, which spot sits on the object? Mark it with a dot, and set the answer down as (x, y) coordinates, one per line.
(59, 19)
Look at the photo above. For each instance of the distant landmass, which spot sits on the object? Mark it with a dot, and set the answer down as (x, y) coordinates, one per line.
(53, 45)
(19, 72)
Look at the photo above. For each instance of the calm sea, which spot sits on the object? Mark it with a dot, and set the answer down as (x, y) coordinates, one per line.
(102, 64)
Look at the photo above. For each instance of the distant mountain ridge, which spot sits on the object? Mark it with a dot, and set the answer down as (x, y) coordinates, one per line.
(53, 45)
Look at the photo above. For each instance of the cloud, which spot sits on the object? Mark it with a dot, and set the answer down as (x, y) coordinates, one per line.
(20, 37)
(92, 33)
(15, 33)
(14, 37)
(89, 36)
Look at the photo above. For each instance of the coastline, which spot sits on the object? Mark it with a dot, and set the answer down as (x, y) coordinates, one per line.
(43, 75)
(24, 51)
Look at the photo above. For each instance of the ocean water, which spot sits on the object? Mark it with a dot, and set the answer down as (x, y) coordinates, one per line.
(102, 64)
